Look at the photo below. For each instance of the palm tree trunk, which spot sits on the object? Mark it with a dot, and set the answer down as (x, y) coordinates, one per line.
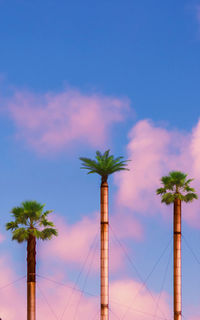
(104, 251)
(31, 262)
(177, 260)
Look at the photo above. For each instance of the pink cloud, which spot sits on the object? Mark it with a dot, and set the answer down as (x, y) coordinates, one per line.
(122, 294)
(194, 150)
(11, 293)
(126, 226)
(61, 301)
(82, 239)
(154, 152)
(148, 155)
(51, 302)
(129, 300)
(57, 301)
(51, 122)
(74, 240)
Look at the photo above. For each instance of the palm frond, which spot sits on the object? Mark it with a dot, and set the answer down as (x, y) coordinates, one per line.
(178, 185)
(189, 197)
(20, 234)
(18, 214)
(104, 165)
(29, 219)
(161, 190)
(46, 213)
(188, 189)
(168, 198)
(44, 222)
(48, 233)
(12, 225)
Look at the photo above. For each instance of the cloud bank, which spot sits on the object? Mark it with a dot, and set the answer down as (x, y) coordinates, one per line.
(154, 151)
(61, 301)
(52, 122)
(82, 239)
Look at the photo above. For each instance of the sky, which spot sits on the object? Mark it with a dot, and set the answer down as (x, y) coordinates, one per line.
(80, 76)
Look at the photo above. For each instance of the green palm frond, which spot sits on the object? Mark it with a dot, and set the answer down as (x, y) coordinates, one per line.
(12, 225)
(46, 213)
(29, 218)
(176, 186)
(33, 209)
(188, 189)
(189, 197)
(20, 234)
(48, 233)
(104, 164)
(18, 214)
(44, 223)
(161, 190)
(168, 198)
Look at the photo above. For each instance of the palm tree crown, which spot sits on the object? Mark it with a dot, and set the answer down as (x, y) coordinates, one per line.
(104, 164)
(29, 219)
(176, 186)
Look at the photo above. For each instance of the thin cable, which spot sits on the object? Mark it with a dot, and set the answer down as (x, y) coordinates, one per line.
(193, 253)
(139, 311)
(79, 275)
(163, 283)
(85, 281)
(44, 297)
(158, 261)
(65, 285)
(11, 283)
(132, 264)
(154, 267)
(111, 300)
(190, 248)
(115, 315)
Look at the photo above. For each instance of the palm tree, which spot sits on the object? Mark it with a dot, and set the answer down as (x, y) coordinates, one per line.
(176, 188)
(104, 165)
(30, 222)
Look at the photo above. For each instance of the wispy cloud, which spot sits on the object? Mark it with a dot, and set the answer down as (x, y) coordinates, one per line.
(81, 239)
(67, 300)
(154, 152)
(52, 122)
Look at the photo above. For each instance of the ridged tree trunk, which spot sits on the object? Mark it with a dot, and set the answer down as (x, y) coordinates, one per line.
(177, 260)
(104, 252)
(31, 262)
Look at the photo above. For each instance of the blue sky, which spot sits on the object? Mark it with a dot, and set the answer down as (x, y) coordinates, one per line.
(146, 50)
(80, 76)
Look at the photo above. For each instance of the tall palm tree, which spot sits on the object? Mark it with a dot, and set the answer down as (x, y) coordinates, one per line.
(104, 165)
(31, 223)
(176, 188)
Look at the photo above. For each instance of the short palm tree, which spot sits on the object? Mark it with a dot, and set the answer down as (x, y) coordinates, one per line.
(104, 165)
(175, 189)
(31, 223)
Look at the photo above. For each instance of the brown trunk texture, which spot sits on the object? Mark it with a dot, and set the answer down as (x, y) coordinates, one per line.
(104, 252)
(177, 260)
(31, 263)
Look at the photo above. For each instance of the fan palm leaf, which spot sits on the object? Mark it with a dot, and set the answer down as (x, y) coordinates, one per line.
(28, 219)
(104, 164)
(176, 186)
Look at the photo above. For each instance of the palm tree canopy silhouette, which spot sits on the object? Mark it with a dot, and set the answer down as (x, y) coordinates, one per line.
(176, 186)
(30, 219)
(104, 164)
